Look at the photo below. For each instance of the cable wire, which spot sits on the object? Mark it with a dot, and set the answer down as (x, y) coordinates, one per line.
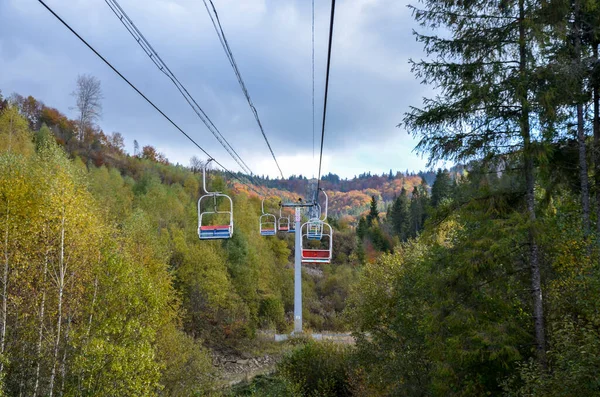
(313, 78)
(157, 60)
(225, 44)
(326, 90)
(142, 94)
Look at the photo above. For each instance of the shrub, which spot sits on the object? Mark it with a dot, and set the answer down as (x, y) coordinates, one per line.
(271, 313)
(318, 369)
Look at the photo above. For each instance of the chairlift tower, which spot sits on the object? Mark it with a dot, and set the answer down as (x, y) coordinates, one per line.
(298, 261)
(299, 256)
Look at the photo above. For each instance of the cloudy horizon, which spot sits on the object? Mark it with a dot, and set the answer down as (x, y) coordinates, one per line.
(371, 86)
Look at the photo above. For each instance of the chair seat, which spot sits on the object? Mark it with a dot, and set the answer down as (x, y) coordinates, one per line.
(214, 232)
(316, 260)
(319, 254)
(316, 256)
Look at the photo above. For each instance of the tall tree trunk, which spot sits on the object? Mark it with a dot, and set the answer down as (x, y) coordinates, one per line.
(38, 348)
(63, 364)
(19, 363)
(583, 168)
(61, 285)
(583, 172)
(89, 327)
(5, 287)
(10, 133)
(596, 127)
(23, 371)
(536, 279)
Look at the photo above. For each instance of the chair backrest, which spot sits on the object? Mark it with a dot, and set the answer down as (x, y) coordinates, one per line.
(320, 254)
(268, 225)
(283, 224)
(314, 229)
(208, 231)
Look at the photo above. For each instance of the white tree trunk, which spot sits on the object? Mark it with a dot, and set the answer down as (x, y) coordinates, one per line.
(5, 287)
(61, 286)
(63, 364)
(89, 328)
(38, 349)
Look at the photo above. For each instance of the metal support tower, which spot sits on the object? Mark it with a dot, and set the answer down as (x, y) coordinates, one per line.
(298, 274)
(298, 263)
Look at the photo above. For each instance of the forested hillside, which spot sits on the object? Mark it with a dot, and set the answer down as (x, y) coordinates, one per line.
(350, 198)
(481, 280)
(494, 289)
(106, 289)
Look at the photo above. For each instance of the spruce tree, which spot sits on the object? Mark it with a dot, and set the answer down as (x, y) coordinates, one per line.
(416, 213)
(362, 228)
(399, 215)
(592, 32)
(441, 188)
(574, 64)
(373, 211)
(484, 66)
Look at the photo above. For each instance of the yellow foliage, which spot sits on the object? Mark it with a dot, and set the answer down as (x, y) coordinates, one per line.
(15, 136)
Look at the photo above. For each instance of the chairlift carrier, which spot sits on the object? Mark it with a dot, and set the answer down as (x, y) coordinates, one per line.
(284, 224)
(320, 255)
(267, 222)
(316, 229)
(213, 232)
(315, 225)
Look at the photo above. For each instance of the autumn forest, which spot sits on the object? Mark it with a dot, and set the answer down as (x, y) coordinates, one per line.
(479, 276)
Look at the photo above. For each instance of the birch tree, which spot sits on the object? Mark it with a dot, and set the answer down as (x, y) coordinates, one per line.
(88, 96)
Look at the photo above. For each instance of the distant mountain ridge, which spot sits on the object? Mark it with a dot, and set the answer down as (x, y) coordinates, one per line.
(347, 197)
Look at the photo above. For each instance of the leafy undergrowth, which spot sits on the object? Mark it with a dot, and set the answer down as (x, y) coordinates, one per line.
(311, 369)
(265, 385)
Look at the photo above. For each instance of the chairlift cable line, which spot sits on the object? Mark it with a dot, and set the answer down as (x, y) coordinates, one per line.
(144, 96)
(229, 53)
(313, 79)
(162, 66)
(326, 90)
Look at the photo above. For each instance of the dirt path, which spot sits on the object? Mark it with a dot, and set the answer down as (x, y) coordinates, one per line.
(236, 369)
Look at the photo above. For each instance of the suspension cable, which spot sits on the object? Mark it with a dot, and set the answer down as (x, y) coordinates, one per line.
(313, 79)
(326, 90)
(225, 44)
(161, 65)
(144, 96)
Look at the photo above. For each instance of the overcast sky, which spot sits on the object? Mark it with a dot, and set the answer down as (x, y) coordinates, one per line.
(371, 85)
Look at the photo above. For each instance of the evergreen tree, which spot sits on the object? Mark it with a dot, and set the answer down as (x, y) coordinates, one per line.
(380, 241)
(416, 213)
(362, 228)
(442, 187)
(399, 216)
(3, 102)
(573, 55)
(485, 64)
(373, 212)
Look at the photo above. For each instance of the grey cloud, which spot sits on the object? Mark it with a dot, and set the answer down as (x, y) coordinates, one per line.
(371, 85)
